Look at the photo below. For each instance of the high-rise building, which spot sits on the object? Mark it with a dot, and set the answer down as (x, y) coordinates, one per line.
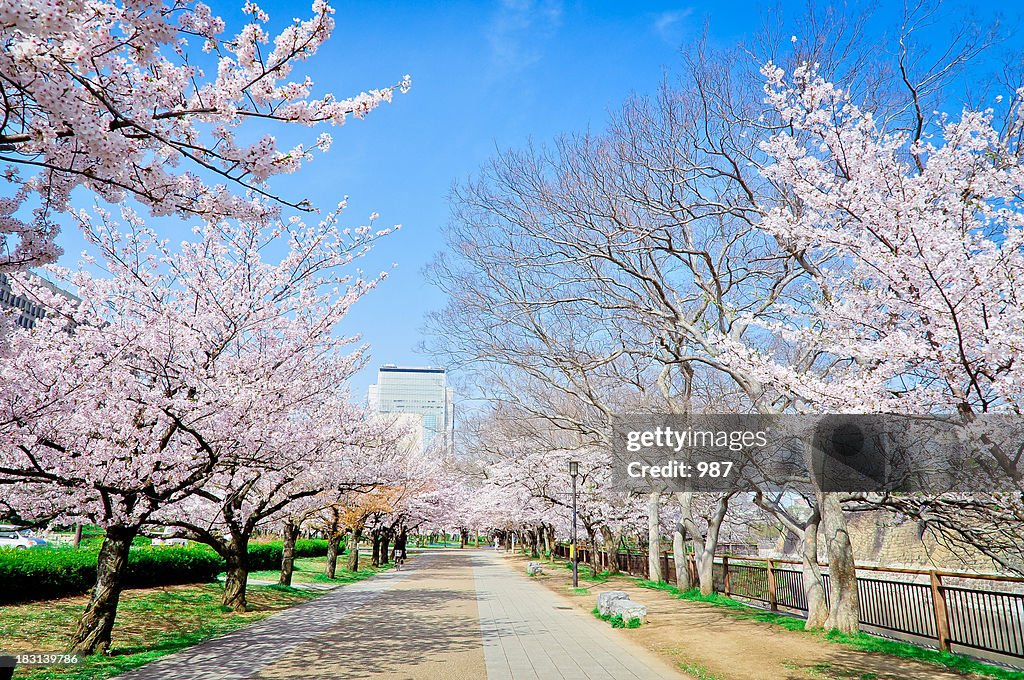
(30, 310)
(421, 391)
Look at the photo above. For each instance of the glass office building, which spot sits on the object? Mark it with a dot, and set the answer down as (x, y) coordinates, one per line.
(422, 391)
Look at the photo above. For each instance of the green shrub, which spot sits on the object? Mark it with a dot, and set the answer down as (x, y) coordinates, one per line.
(311, 548)
(46, 573)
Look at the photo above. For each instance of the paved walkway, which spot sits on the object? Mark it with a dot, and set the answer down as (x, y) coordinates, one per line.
(450, 615)
(529, 632)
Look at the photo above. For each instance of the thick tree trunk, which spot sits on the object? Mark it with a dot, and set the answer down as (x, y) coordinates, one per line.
(704, 546)
(679, 557)
(385, 542)
(613, 539)
(535, 542)
(333, 548)
(97, 621)
(353, 551)
(236, 555)
(78, 536)
(653, 538)
(375, 549)
(814, 584)
(290, 536)
(844, 612)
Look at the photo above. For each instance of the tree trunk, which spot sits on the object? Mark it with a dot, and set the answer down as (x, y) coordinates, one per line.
(614, 543)
(78, 536)
(375, 549)
(385, 542)
(290, 536)
(236, 555)
(535, 542)
(333, 547)
(814, 585)
(97, 621)
(353, 551)
(844, 611)
(653, 538)
(704, 546)
(679, 557)
(592, 538)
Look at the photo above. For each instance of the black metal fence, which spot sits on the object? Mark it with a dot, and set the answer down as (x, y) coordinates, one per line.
(976, 611)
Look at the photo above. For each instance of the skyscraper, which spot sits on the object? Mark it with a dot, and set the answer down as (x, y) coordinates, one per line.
(421, 391)
(30, 309)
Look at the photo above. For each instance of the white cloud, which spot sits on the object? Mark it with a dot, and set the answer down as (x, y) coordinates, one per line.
(519, 30)
(669, 25)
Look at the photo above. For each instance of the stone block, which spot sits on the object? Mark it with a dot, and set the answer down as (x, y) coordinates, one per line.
(629, 610)
(605, 600)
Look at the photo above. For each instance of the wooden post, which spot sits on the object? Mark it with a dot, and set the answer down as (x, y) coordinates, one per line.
(664, 566)
(773, 598)
(725, 574)
(941, 612)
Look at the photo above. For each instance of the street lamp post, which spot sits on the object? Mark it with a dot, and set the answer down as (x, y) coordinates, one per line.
(574, 471)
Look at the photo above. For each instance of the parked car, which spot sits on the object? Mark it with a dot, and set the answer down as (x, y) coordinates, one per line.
(19, 538)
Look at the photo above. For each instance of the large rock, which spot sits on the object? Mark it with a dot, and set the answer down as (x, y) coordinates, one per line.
(534, 568)
(629, 610)
(605, 600)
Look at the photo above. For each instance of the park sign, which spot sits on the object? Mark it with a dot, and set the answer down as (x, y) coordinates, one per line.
(834, 452)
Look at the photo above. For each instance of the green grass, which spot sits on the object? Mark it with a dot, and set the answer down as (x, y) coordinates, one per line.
(579, 591)
(698, 672)
(860, 641)
(150, 624)
(587, 573)
(616, 620)
(311, 570)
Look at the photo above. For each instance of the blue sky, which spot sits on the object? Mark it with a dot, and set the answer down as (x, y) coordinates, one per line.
(485, 76)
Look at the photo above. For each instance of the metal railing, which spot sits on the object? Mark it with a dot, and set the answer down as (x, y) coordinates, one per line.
(950, 608)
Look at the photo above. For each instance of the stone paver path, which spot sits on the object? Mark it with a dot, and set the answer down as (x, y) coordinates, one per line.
(450, 615)
(424, 627)
(530, 633)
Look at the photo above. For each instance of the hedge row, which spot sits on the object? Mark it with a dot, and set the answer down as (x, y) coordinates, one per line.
(268, 555)
(42, 573)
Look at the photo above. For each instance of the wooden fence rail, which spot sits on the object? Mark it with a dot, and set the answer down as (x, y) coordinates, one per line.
(922, 603)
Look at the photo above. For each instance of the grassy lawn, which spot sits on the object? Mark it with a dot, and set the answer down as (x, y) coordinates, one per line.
(585, 572)
(150, 622)
(311, 570)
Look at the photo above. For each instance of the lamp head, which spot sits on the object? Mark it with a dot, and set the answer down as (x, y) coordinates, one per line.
(574, 468)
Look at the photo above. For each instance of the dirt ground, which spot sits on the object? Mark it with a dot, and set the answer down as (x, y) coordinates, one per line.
(710, 644)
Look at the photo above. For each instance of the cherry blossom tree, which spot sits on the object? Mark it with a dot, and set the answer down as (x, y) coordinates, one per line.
(146, 389)
(144, 102)
(913, 304)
